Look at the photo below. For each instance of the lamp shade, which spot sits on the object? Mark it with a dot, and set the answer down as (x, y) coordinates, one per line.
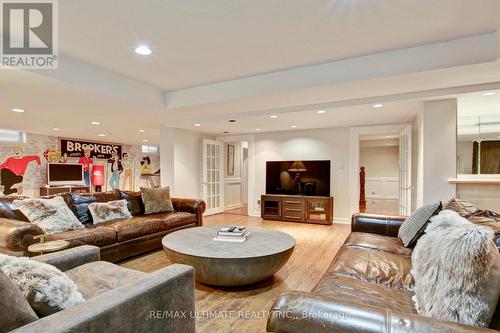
(297, 166)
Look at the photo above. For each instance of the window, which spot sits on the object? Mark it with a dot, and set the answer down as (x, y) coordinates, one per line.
(12, 136)
(150, 149)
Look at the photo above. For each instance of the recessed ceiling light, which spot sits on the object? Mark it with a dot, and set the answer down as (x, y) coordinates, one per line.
(56, 129)
(95, 123)
(293, 126)
(17, 110)
(257, 129)
(273, 116)
(378, 105)
(197, 125)
(489, 93)
(145, 140)
(143, 50)
(321, 111)
(102, 134)
(142, 131)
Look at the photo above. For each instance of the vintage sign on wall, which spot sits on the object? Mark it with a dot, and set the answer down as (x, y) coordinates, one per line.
(75, 148)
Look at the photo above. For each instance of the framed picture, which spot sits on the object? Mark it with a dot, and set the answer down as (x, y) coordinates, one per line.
(230, 160)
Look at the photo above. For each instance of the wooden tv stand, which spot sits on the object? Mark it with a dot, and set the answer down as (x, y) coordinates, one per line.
(297, 208)
(44, 191)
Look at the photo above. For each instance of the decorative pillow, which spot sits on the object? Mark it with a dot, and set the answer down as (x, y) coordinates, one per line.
(81, 203)
(134, 202)
(46, 288)
(456, 267)
(15, 311)
(107, 211)
(413, 227)
(156, 200)
(52, 215)
(464, 208)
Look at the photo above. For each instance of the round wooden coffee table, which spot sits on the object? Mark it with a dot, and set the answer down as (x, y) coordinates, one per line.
(229, 264)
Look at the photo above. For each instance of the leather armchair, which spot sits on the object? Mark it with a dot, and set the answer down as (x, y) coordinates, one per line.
(17, 235)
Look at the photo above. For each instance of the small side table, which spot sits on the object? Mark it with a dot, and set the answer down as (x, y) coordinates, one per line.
(50, 246)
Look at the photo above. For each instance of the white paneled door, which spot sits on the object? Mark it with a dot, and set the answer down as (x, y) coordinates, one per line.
(405, 188)
(213, 176)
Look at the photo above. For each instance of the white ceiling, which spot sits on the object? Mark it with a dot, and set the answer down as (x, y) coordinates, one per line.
(50, 103)
(391, 113)
(198, 42)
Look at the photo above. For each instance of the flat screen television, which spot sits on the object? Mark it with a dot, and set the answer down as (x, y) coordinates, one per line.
(61, 174)
(314, 180)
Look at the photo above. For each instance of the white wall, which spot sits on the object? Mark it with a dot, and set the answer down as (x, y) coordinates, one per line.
(181, 161)
(319, 144)
(381, 161)
(438, 129)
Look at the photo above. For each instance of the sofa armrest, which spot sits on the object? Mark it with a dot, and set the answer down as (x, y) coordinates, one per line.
(71, 258)
(17, 235)
(162, 301)
(298, 312)
(194, 206)
(387, 225)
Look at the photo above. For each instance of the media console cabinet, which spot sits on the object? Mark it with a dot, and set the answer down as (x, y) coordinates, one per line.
(297, 208)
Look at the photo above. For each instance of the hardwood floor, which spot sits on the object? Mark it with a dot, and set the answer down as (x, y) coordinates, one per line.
(316, 246)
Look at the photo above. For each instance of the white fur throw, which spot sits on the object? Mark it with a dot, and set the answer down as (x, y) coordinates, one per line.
(456, 267)
(46, 288)
(51, 215)
(107, 211)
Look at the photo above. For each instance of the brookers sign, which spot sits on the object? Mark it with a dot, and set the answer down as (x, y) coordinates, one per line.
(75, 148)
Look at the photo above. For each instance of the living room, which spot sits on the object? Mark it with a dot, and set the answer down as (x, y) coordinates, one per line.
(287, 166)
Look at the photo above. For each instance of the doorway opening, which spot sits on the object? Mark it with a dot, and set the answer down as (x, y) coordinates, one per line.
(379, 156)
(236, 177)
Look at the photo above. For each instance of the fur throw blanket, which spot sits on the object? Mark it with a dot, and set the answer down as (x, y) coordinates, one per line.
(46, 288)
(456, 267)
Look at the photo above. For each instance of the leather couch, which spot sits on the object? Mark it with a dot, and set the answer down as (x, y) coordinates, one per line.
(117, 239)
(367, 288)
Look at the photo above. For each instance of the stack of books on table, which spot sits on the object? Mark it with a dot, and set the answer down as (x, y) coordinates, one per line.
(234, 234)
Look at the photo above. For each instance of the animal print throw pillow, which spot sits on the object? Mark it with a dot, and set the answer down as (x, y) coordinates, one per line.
(107, 211)
(51, 215)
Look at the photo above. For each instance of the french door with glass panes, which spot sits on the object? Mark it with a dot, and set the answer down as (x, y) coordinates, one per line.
(213, 191)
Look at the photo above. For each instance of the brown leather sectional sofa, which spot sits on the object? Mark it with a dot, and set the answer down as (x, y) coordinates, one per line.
(367, 288)
(117, 239)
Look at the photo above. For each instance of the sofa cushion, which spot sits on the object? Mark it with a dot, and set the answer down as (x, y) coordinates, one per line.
(107, 211)
(142, 225)
(364, 293)
(81, 203)
(457, 271)
(387, 269)
(46, 288)
(15, 310)
(51, 215)
(88, 236)
(377, 242)
(97, 277)
(134, 202)
(156, 200)
(413, 227)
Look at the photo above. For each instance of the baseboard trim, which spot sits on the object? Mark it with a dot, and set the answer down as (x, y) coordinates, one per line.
(342, 220)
